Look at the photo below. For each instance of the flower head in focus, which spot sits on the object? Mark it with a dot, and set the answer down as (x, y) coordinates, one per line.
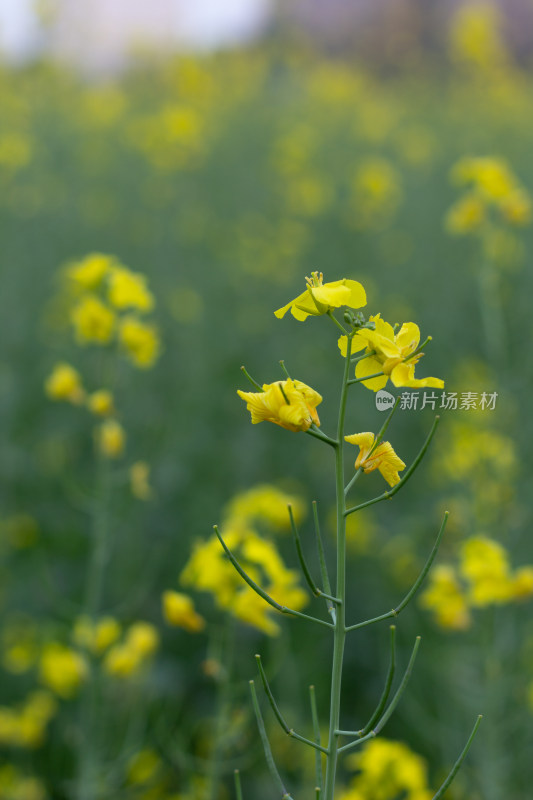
(390, 353)
(320, 297)
(381, 457)
(291, 404)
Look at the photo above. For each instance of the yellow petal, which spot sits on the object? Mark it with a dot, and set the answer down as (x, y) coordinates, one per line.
(408, 337)
(369, 366)
(358, 343)
(357, 294)
(404, 375)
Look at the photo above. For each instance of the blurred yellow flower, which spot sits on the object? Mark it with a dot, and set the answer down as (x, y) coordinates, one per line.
(290, 404)
(89, 273)
(140, 480)
(25, 725)
(485, 565)
(446, 598)
(101, 403)
(142, 767)
(129, 657)
(140, 341)
(320, 297)
(388, 352)
(264, 503)
(62, 669)
(96, 636)
(129, 290)
(17, 785)
(466, 215)
(93, 321)
(475, 35)
(387, 769)
(110, 438)
(209, 570)
(382, 457)
(178, 609)
(64, 383)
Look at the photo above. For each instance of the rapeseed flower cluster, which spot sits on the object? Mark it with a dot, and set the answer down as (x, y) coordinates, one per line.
(483, 577)
(25, 725)
(493, 203)
(388, 355)
(107, 303)
(62, 669)
(208, 569)
(387, 769)
(131, 656)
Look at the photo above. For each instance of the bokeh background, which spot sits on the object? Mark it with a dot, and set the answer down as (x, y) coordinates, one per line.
(224, 151)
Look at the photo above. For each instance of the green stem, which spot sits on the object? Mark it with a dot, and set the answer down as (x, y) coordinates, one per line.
(87, 760)
(339, 636)
(223, 709)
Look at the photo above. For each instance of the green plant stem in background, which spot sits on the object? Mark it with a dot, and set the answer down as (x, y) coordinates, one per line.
(492, 314)
(87, 758)
(223, 708)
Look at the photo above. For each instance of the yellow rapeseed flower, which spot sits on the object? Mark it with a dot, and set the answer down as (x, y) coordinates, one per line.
(382, 457)
(101, 403)
(140, 341)
(93, 321)
(140, 480)
(64, 383)
(110, 438)
(209, 570)
(320, 297)
(89, 273)
(128, 658)
(129, 290)
(291, 404)
(62, 669)
(444, 596)
(387, 769)
(178, 609)
(390, 353)
(485, 565)
(264, 503)
(96, 636)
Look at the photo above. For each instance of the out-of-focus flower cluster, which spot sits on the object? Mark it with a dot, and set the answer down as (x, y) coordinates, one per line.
(387, 769)
(482, 577)
(492, 204)
(105, 303)
(209, 570)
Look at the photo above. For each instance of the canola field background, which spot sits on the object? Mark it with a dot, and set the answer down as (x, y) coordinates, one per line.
(150, 224)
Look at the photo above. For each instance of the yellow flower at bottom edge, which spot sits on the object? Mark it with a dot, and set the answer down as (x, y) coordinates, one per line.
(291, 404)
(383, 457)
(320, 297)
(64, 383)
(178, 609)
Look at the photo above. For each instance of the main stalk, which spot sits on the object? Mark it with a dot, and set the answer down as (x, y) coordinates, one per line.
(340, 625)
